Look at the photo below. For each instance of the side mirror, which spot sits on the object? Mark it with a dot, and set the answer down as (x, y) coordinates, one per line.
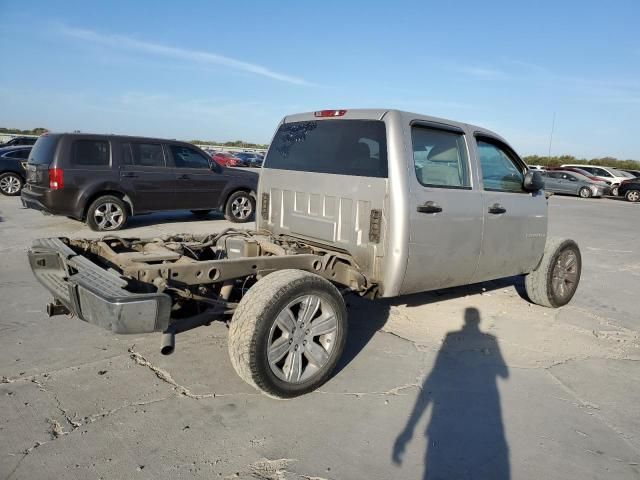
(533, 181)
(213, 165)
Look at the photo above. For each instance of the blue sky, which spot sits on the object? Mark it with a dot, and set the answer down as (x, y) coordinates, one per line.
(231, 70)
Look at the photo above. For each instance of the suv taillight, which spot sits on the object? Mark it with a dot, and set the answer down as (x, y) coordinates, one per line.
(55, 179)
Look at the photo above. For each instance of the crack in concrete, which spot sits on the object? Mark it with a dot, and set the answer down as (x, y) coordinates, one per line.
(582, 403)
(395, 391)
(179, 389)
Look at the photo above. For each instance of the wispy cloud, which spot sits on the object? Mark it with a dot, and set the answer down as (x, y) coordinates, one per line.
(481, 72)
(196, 56)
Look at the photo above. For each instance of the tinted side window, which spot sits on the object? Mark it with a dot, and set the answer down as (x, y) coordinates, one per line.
(500, 172)
(600, 172)
(341, 147)
(439, 158)
(90, 153)
(21, 154)
(147, 154)
(185, 157)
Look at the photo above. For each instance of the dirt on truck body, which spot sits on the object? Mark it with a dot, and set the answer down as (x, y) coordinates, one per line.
(376, 203)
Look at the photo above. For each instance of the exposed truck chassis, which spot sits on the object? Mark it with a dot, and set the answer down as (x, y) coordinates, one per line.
(174, 283)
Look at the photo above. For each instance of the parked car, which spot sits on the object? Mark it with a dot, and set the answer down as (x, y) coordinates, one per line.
(104, 179)
(605, 173)
(377, 203)
(593, 178)
(225, 159)
(630, 190)
(19, 141)
(635, 173)
(250, 159)
(572, 183)
(13, 162)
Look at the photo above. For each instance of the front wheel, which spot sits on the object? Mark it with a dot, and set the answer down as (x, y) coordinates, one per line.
(632, 195)
(556, 279)
(240, 207)
(106, 214)
(585, 192)
(288, 332)
(614, 192)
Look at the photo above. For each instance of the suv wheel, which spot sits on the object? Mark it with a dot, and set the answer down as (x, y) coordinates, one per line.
(585, 192)
(107, 213)
(632, 195)
(240, 207)
(288, 333)
(10, 184)
(556, 279)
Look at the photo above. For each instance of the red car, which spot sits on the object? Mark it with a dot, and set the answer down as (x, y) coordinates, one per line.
(226, 160)
(582, 172)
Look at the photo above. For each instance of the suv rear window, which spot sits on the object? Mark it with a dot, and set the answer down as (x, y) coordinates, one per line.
(341, 147)
(43, 151)
(90, 152)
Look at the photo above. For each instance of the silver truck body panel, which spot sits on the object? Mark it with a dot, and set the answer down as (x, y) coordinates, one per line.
(416, 251)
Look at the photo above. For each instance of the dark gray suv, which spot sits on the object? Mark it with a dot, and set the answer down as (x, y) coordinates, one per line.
(104, 179)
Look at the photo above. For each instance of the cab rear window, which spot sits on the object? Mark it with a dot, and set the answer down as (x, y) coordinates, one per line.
(341, 147)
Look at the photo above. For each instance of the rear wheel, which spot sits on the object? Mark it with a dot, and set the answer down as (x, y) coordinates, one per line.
(288, 333)
(585, 192)
(10, 184)
(240, 207)
(614, 191)
(632, 195)
(556, 279)
(107, 213)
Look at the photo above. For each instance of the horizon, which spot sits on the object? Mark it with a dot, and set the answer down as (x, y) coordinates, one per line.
(123, 68)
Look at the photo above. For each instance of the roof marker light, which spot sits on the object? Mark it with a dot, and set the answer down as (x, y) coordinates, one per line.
(329, 113)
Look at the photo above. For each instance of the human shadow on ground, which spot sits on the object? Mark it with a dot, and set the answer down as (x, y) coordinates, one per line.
(465, 432)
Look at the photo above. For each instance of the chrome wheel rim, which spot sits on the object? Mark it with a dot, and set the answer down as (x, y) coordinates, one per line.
(633, 196)
(108, 216)
(10, 184)
(585, 193)
(302, 339)
(241, 207)
(565, 274)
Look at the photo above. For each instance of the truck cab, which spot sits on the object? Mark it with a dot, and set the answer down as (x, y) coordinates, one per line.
(419, 202)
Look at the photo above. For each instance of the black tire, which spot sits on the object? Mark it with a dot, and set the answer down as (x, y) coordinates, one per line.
(201, 213)
(255, 319)
(119, 218)
(632, 195)
(240, 207)
(543, 284)
(585, 192)
(10, 184)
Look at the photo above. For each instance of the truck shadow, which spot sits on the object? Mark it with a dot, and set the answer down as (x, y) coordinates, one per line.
(366, 317)
(174, 216)
(465, 433)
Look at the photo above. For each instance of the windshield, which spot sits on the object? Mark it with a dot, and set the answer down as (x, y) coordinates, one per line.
(341, 147)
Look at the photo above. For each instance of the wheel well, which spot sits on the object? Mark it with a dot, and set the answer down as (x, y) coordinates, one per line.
(102, 193)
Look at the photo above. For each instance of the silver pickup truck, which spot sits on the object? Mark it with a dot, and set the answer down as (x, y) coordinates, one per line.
(377, 203)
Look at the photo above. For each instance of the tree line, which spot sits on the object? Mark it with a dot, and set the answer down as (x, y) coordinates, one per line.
(17, 131)
(556, 161)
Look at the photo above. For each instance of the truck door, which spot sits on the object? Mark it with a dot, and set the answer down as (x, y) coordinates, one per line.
(515, 221)
(445, 211)
(145, 177)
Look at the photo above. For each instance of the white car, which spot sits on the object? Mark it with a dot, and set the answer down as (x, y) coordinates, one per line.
(606, 173)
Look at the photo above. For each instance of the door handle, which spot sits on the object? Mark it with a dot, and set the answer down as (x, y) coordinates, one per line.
(497, 209)
(129, 175)
(429, 207)
(184, 177)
